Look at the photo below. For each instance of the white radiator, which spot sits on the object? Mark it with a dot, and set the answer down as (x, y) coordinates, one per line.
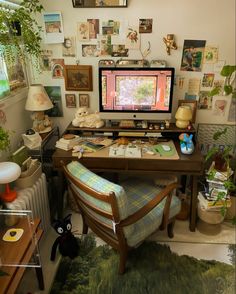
(34, 198)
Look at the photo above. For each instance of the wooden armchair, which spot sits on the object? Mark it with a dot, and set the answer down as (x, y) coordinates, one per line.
(122, 215)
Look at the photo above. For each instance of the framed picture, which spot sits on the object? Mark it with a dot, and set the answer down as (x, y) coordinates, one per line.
(78, 78)
(70, 100)
(192, 104)
(83, 100)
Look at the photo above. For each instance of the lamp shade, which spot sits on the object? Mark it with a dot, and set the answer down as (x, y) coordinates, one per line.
(183, 116)
(9, 172)
(38, 99)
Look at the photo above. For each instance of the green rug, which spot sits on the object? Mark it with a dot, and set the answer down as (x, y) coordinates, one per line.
(151, 268)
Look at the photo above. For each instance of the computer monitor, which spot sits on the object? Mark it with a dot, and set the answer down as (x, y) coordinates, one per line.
(135, 93)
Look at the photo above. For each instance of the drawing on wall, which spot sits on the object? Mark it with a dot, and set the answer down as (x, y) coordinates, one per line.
(57, 68)
(205, 101)
(110, 27)
(84, 100)
(93, 28)
(104, 45)
(210, 54)
(46, 60)
(83, 31)
(53, 27)
(54, 93)
(68, 47)
(219, 107)
(90, 51)
(119, 51)
(192, 55)
(208, 79)
(70, 100)
(145, 25)
(132, 38)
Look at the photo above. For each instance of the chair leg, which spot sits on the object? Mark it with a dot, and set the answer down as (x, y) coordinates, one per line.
(85, 228)
(123, 258)
(170, 229)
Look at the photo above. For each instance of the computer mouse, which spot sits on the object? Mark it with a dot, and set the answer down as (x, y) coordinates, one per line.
(166, 147)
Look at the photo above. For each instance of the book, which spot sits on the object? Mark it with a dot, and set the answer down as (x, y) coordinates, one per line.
(20, 155)
(209, 203)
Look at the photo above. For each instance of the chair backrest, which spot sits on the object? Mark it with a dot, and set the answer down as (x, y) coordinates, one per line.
(101, 201)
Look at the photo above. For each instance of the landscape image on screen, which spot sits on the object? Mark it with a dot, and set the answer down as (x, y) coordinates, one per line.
(131, 90)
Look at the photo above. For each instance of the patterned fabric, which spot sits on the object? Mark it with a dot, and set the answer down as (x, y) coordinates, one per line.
(101, 185)
(139, 193)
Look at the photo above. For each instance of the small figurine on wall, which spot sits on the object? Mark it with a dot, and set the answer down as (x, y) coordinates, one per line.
(170, 43)
(186, 143)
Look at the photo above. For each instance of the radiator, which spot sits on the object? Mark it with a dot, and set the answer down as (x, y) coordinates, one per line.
(35, 199)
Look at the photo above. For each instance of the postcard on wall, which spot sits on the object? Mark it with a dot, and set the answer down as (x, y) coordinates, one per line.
(46, 60)
(192, 56)
(132, 40)
(104, 45)
(219, 107)
(119, 51)
(93, 28)
(83, 31)
(68, 47)
(53, 27)
(193, 86)
(207, 80)
(205, 101)
(89, 50)
(54, 93)
(232, 111)
(145, 25)
(210, 54)
(219, 65)
(57, 66)
(110, 27)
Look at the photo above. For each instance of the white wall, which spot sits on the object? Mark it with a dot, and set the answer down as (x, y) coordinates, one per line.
(210, 20)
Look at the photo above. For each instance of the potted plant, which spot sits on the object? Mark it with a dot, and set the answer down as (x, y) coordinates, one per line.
(20, 32)
(4, 139)
(228, 71)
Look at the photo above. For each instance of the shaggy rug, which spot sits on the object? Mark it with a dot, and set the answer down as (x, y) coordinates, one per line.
(151, 268)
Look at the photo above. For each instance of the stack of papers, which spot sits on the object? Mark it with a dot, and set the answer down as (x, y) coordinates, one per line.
(66, 144)
(125, 151)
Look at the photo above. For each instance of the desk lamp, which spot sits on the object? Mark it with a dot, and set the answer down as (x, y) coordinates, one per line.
(9, 172)
(38, 101)
(183, 116)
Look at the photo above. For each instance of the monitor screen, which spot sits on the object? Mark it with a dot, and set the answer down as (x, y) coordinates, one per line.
(136, 93)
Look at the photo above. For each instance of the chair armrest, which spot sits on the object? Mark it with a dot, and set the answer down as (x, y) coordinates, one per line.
(166, 192)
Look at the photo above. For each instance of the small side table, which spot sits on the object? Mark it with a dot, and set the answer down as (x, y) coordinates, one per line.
(16, 256)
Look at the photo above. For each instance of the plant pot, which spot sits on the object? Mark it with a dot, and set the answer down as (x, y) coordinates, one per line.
(231, 211)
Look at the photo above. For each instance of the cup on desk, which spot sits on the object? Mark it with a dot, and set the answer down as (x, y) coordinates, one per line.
(152, 140)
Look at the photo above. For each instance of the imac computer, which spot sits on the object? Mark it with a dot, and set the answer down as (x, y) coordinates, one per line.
(135, 93)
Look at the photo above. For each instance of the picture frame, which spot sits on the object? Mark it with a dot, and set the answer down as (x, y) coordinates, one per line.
(70, 100)
(99, 4)
(192, 104)
(83, 100)
(78, 77)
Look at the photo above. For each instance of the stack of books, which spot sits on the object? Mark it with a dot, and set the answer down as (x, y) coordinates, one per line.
(212, 203)
(67, 144)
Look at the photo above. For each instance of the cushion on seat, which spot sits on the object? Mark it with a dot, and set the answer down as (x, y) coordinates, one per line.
(139, 193)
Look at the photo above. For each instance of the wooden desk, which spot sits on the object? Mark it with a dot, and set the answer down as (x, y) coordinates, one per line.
(19, 252)
(186, 165)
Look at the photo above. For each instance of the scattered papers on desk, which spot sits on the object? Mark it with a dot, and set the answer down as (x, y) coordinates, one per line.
(67, 144)
(125, 151)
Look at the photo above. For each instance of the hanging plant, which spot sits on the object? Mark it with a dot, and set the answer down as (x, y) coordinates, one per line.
(20, 32)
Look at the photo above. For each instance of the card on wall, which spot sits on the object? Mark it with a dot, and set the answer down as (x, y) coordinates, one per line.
(53, 25)
(132, 38)
(83, 31)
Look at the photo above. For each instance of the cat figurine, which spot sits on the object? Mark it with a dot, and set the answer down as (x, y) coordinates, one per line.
(68, 245)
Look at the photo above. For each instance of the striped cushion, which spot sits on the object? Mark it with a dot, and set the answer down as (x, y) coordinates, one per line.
(101, 185)
(138, 194)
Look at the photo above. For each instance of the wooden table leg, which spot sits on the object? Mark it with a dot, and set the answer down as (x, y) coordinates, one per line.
(193, 205)
(39, 274)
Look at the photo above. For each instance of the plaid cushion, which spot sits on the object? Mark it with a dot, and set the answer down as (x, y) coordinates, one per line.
(101, 185)
(138, 194)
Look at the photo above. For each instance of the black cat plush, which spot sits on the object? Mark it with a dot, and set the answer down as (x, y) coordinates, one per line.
(67, 242)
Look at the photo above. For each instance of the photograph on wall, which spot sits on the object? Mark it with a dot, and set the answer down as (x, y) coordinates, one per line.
(132, 40)
(145, 25)
(54, 93)
(207, 80)
(93, 28)
(90, 51)
(68, 47)
(205, 101)
(70, 100)
(119, 51)
(210, 54)
(110, 27)
(192, 56)
(57, 66)
(219, 107)
(46, 56)
(84, 100)
(53, 27)
(83, 31)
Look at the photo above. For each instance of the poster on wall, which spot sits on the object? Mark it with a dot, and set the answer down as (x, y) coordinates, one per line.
(53, 27)
(192, 56)
(68, 47)
(210, 54)
(54, 93)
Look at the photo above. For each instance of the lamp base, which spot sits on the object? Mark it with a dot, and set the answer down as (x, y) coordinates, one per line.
(8, 196)
(182, 124)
